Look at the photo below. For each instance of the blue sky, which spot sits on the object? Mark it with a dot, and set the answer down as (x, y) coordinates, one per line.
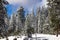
(27, 4)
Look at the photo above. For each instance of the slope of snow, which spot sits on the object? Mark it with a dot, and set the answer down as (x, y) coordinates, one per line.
(12, 37)
(47, 36)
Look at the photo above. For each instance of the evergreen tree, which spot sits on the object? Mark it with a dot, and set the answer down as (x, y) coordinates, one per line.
(38, 19)
(54, 13)
(45, 21)
(21, 18)
(12, 27)
(30, 30)
(21, 14)
(30, 24)
(2, 15)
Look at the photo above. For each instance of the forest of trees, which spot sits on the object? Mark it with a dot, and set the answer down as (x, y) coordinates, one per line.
(54, 15)
(3, 12)
(43, 20)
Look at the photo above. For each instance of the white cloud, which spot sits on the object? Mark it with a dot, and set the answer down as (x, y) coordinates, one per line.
(17, 1)
(44, 3)
(28, 4)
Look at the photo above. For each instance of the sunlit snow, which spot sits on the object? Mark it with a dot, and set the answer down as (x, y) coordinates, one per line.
(47, 36)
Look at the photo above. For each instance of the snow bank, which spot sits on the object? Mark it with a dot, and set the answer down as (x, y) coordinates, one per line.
(49, 37)
(12, 37)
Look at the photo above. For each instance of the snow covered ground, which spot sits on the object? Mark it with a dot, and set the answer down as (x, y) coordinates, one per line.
(12, 37)
(47, 36)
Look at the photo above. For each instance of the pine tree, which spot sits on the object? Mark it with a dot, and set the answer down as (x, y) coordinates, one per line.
(30, 23)
(2, 15)
(38, 19)
(54, 13)
(21, 18)
(30, 29)
(45, 22)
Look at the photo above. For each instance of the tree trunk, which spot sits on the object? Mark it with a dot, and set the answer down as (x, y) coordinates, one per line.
(57, 32)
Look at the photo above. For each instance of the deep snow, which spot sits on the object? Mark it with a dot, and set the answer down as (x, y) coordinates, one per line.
(49, 37)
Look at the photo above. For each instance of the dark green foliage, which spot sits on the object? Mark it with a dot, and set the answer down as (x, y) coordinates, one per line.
(54, 15)
(2, 15)
(17, 32)
(21, 13)
(30, 30)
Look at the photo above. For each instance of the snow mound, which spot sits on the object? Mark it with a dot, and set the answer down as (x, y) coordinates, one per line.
(47, 36)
